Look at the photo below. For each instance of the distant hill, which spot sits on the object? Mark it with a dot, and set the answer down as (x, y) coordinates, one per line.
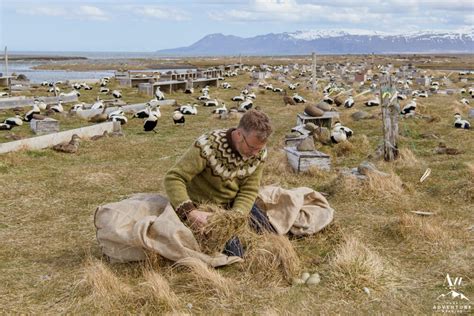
(324, 42)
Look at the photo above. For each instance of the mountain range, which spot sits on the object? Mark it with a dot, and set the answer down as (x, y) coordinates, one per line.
(329, 42)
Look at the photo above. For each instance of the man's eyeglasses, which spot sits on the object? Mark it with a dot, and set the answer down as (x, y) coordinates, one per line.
(252, 148)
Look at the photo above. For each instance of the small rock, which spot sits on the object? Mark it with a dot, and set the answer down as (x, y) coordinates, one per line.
(189, 306)
(313, 111)
(311, 127)
(323, 106)
(314, 279)
(360, 115)
(305, 276)
(306, 145)
(365, 168)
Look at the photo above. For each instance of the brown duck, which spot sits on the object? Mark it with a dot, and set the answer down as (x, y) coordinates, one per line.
(443, 149)
(103, 135)
(288, 100)
(68, 147)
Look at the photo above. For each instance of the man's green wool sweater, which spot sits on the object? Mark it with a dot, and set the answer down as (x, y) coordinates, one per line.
(212, 171)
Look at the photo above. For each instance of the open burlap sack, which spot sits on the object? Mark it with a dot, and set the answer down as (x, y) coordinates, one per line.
(126, 229)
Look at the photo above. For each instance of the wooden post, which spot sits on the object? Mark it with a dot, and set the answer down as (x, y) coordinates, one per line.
(9, 83)
(390, 112)
(6, 62)
(314, 72)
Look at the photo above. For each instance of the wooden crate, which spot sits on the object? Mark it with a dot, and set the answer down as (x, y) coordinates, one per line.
(46, 126)
(146, 88)
(301, 161)
(294, 141)
(325, 120)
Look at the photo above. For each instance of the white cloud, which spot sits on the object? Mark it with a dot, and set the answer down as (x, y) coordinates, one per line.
(235, 15)
(159, 12)
(270, 10)
(291, 11)
(381, 15)
(92, 13)
(82, 12)
(45, 11)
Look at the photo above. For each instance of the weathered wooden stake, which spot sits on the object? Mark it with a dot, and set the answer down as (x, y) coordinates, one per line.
(314, 72)
(390, 111)
(9, 82)
(6, 62)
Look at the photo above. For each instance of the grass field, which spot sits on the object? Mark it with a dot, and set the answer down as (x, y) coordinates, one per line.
(51, 262)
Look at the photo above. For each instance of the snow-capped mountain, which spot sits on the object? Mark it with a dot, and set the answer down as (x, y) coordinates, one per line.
(330, 42)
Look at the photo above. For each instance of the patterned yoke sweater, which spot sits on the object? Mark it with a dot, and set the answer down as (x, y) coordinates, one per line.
(213, 171)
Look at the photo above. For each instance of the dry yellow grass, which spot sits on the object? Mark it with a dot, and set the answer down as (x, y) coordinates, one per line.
(375, 186)
(384, 185)
(272, 260)
(105, 289)
(355, 266)
(203, 279)
(220, 228)
(416, 228)
(158, 289)
(470, 166)
(47, 200)
(407, 159)
(343, 148)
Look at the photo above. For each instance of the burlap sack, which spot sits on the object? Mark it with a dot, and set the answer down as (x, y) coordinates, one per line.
(126, 229)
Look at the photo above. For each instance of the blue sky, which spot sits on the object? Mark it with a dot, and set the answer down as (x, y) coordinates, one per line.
(146, 25)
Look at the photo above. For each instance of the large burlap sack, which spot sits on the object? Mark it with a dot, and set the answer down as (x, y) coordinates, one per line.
(301, 211)
(147, 222)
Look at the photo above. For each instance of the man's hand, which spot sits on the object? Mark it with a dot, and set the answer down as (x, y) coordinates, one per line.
(198, 218)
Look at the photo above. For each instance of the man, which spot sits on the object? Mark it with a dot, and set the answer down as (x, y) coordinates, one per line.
(223, 167)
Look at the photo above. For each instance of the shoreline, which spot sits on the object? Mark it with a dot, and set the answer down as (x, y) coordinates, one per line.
(459, 62)
(40, 57)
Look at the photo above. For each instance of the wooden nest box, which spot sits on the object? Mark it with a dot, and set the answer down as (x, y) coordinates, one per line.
(46, 126)
(301, 161)
(325, 120)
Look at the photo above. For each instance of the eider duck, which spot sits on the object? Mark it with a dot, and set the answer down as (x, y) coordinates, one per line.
(460, 123)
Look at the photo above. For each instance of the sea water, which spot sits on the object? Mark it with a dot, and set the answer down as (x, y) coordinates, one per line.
(39, 75)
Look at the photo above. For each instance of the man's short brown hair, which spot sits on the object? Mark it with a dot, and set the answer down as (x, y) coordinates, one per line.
(258, 122)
